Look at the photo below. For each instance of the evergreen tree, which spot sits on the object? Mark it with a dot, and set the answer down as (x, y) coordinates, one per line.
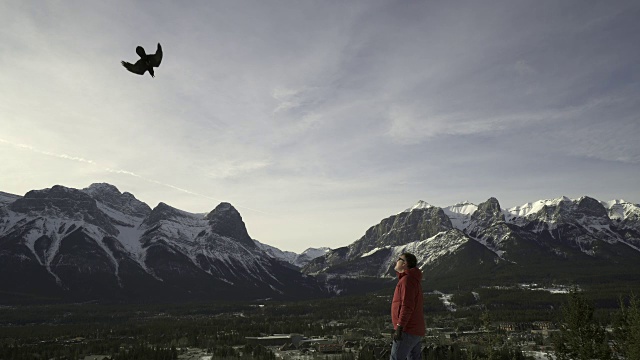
(492, 340)
(580, 337)
(628, 329)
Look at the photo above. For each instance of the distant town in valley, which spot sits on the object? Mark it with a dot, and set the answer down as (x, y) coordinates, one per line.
(519, 322)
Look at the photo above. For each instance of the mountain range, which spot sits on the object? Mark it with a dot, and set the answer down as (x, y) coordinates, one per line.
(289, 257)
(97, 243)
(558, 240)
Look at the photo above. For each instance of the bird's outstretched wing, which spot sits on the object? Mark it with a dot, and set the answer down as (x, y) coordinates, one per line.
(137, 68)
(155, 59)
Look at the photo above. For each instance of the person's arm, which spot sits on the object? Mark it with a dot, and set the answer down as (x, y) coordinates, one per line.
(409, 299)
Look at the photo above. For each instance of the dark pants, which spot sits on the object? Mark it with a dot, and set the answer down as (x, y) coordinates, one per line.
(410, 347)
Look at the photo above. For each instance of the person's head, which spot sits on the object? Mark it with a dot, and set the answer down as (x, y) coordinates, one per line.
(410, 259)
(405, 261)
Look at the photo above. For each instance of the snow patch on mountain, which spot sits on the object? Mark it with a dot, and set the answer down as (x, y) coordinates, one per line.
(130, 231)
(427, 251)
(119, 217)
(460, 214)
(373, 251)
(535, 207)
(55, 228)
(621, 209)
(313, 253)
(129, 237)
(435, 247)
(446, 300)
(582, 212)
(185, 230)
(492, 248)
(274, 252)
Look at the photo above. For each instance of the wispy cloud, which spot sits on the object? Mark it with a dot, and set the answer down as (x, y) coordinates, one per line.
(410, 125)
(232, 169)
(48, 153)
(120, 171)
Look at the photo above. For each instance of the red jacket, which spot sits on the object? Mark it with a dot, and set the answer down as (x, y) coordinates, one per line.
(406, 307)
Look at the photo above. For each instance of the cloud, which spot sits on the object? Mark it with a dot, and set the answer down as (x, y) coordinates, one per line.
(48, 153)
(608, 141)
(288, 99)
(411, 125)
(233, 169)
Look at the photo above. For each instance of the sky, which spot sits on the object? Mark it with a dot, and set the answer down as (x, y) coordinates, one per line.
(318, 119)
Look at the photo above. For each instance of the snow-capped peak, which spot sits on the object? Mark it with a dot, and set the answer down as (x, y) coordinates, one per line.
(460, 214)
(315, 252)
(463, 208)
(534, 207)
(419, 205)
(620, 209)
(611, 203)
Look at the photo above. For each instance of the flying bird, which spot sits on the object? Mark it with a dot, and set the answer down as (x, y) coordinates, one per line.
(146, 62)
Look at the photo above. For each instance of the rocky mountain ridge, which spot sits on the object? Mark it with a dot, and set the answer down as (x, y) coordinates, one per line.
(297, 260)
(63, 244)
(99, 243)
(547, 239)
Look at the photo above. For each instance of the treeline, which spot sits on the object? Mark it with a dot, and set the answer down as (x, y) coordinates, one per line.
(583, 337)
(69, 331)
(521, 305)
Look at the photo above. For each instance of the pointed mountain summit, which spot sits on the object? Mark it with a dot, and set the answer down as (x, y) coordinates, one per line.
(489, 211)
(487, 214)
(225, 220)
(162, 212)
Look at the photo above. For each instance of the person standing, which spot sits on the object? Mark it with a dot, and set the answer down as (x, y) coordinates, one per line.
(406, 310)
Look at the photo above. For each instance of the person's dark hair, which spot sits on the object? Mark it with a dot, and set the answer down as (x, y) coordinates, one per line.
(411, 260)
